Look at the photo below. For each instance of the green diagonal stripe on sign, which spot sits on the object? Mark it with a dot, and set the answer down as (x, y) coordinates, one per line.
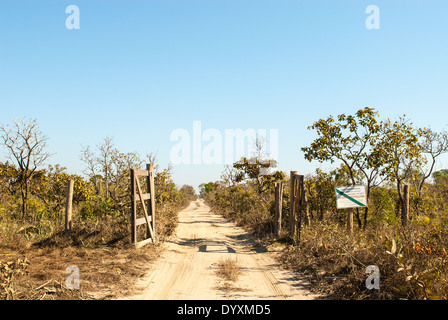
(350, 198)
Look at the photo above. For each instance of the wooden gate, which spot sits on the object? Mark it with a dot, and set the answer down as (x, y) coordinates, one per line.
(148, 208)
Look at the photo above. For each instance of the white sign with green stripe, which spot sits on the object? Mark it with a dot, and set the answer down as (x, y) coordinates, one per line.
(351, 197)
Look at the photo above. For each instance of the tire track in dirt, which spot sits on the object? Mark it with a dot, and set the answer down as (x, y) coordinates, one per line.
(272, 282)
(180, 271)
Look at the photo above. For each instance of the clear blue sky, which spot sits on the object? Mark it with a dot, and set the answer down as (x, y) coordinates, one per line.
(137, 70)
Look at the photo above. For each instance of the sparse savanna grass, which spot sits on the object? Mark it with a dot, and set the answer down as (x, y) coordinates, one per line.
(229, 287)
(36, 254)
(20, 235)
(228, 269)
(412, 262)
(40, 274)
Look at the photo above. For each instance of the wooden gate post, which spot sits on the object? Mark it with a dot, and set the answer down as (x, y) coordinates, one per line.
(68, 208)
(405, 206)
(152, 202)
(278, 208)
(299, 206)
(291, 203)
(133, 209)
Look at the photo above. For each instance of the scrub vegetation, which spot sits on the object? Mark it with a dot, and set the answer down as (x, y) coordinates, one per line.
(407, 243)
(34, 250)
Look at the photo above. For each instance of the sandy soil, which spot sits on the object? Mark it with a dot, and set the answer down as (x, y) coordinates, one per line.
(187, 268)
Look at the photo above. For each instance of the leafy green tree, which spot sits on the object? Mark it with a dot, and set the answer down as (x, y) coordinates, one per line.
(255, 170)
(8, 178)
(400, 152)
(439, 189)
(165, 188)
(350, 140)
(440, 175)
(120, 166)
(187, 193)
(50, 186)
(320, 187)
(205, 188)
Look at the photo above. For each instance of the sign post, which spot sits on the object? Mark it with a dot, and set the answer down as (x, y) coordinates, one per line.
(350, 197)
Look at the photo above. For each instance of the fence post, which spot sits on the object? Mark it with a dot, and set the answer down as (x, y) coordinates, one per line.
(299, 206)
(152, 201)
(68, 208)
(291, 203)
(133, 209)
(278, 207)
(405, 206)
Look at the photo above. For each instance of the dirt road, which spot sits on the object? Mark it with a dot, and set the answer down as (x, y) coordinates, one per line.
(187, 268)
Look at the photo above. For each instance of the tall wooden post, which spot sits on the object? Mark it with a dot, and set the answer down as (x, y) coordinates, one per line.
(133, 208)
(405, 206)
(291, 203)
(68, 208)
(152, 201)
(299, 200)
(278, 208)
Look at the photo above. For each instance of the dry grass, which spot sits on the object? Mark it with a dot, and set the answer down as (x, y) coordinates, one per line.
(101, 249)
(228, 269)
(104, 273)
(413, 262)
(229, 287)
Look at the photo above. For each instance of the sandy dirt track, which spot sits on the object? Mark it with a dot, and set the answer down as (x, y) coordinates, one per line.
(187, 268)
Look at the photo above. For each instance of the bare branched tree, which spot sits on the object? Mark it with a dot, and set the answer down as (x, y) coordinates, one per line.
(106, 150)
(152, 159)
(91, 170)
(26, 146)
(433, 144)
(229, 176)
